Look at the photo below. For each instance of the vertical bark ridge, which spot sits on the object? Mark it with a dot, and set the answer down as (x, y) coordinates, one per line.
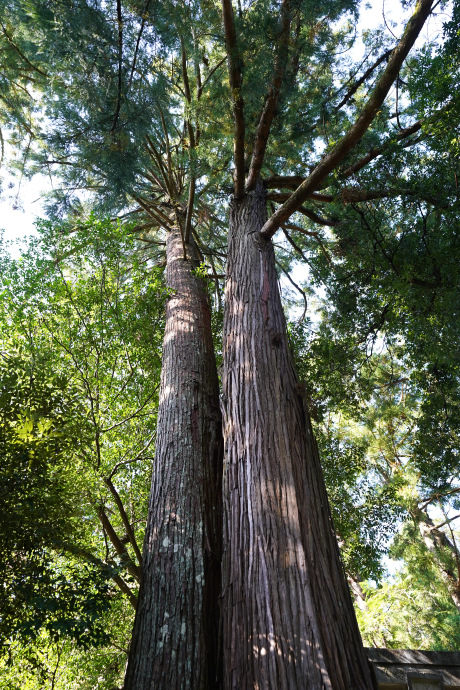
(176, 631)
(288, 619)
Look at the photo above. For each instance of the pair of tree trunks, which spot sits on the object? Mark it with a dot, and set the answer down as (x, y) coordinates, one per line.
(287, 618)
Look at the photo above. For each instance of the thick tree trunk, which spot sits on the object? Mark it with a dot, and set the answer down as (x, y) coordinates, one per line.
(175, 639)
(288, 618)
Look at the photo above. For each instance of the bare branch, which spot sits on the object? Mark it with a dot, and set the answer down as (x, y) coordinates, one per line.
(362, 79)
(87, 556)
(120, 65)
(131, 416)
(208, 77)
(126, 590)
(291, 226)
(120, 548)
(151, 148)
(437, 496)
(192, 139)
(283, 181)
(155, 213)
(124, 517)
(447, 521)
(131, 460)
(168, 149)
(354, 195)
(298, 288)
(136, 50)
(331, 222)
(374, 153)
(293, 243)
(190, 202)
(292, 182)
(20, 53)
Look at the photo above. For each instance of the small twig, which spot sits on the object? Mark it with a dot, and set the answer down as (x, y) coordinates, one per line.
(297, 287)
(131, 416)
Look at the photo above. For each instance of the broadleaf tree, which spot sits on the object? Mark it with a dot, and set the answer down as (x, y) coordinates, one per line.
(81, 351)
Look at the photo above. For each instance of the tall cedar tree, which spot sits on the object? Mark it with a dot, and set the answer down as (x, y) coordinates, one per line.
(287, 612)
(156, 68)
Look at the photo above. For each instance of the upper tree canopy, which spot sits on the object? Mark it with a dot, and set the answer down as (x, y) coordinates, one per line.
(122, 78)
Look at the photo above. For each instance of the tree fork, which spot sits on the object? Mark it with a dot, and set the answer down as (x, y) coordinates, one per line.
(175, 644)
(288, 618)
(345, 145)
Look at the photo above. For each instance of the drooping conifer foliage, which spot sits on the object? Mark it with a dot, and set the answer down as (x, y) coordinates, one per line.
(251, 135)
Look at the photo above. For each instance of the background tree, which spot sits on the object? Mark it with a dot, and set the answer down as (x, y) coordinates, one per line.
(40, 420)
(88, 322)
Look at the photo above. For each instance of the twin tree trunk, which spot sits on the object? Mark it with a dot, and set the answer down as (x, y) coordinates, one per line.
(176, 630)
(288, 618)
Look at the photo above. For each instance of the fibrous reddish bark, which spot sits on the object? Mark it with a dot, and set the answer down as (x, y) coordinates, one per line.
(288, 619)
(175, 637)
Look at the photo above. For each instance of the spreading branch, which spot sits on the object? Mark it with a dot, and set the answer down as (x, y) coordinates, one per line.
(90, 558)
(166, 142)
(15, 47)
(330, 222)
(436, 496)
(160, 219)
(362, 79)
(192, 139)
(309, 233)
(134, 414)
(208, 77)
(190, 202)
(124, 517)
(356, 132)
(136, 50)
(292, 182)
(120, 66)
(375, 152)
(355, 195)
(188, 93)
(298, 288)
(156, 157)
